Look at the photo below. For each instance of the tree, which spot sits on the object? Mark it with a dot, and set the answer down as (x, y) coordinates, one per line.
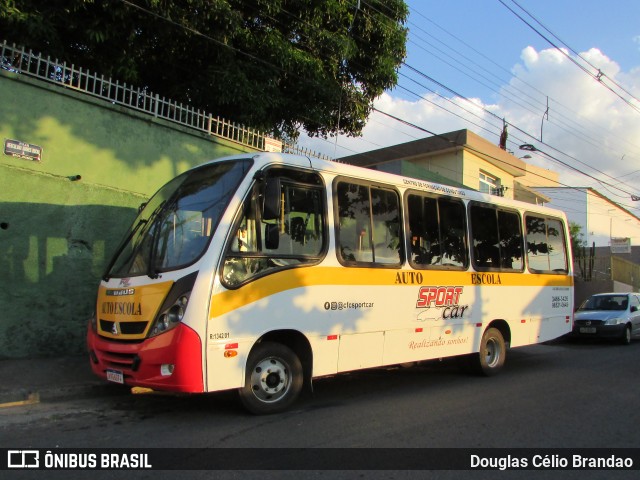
(275, 65)
(578, 245)
(577, 238)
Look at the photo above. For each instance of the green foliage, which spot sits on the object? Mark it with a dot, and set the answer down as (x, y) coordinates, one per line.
(583, 261)
(577, 238)
(275, 65)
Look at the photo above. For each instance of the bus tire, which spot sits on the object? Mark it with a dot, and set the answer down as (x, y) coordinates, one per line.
(273, 379)
(492, 354)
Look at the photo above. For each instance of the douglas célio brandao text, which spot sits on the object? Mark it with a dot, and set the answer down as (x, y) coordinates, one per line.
(539, 461)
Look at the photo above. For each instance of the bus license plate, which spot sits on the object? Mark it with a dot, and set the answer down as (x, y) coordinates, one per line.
(587, 329)
(115, 376)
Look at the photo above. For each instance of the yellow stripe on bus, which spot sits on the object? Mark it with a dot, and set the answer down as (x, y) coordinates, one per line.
(275, 283)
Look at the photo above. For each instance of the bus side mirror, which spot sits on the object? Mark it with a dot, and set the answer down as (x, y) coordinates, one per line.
(271, 236)
(272, 203)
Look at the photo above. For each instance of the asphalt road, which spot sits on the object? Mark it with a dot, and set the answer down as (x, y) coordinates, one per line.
(557, 395)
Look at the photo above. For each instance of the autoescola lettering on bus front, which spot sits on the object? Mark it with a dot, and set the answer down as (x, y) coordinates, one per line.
(121, 308)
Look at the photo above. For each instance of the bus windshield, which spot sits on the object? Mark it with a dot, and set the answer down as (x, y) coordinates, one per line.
(174, 228)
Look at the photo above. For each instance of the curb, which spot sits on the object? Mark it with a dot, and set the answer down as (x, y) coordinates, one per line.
(32, 396)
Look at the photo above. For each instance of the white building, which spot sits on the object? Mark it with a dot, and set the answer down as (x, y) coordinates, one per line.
(601, 219)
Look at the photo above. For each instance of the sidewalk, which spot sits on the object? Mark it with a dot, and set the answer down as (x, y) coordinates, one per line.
(33, 380)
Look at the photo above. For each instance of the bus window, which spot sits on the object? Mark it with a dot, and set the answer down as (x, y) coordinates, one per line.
(546, 246)
(294, 237)
(183, 237)
(497, 238)
(354, 223)
(368, 224)
(437, 228)
(453, 231)
(484, 235)
(385, 228)
(557, 250)
(510, 231)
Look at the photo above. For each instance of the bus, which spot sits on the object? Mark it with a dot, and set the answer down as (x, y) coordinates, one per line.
(261, 272)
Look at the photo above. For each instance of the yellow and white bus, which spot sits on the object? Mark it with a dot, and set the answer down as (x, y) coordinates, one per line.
(260, 272)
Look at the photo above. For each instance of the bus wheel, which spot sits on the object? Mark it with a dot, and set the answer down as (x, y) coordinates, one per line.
(273, 379)
(492, 353)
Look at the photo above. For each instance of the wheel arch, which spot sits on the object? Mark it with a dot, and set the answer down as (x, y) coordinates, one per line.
(297, 342)
(503, 327)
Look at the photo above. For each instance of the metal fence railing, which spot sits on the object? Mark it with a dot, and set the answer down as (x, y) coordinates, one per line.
(19, 60)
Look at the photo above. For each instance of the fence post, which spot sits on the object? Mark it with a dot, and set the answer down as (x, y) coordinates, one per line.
(21, 58)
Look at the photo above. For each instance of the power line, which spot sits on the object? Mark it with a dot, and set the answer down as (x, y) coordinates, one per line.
(600, 74)
(596, 76)
(584, 135)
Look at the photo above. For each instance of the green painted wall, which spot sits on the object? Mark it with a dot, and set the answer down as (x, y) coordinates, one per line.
(106, 144)
(56, 235)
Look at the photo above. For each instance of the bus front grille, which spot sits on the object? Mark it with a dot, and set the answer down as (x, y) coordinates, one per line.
(121, 361)
(125, 328)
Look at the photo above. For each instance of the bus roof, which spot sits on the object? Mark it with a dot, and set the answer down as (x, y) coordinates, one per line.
(264, 159)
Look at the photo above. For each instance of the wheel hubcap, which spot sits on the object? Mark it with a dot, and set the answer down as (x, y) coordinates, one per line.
(270, 380)
(492, 353)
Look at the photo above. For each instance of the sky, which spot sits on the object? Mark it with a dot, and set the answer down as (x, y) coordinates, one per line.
(474, 64)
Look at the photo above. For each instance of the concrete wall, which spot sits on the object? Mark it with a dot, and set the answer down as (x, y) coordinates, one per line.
(449, 165)
(584, 290)
(57, 234)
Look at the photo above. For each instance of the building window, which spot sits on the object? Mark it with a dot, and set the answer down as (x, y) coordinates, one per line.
(488, 183)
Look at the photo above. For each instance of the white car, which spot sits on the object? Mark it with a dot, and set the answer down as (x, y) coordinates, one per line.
(608, 315)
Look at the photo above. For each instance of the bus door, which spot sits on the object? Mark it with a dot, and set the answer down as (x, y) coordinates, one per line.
(280, 228)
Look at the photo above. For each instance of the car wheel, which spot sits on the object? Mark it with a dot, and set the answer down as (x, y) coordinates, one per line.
(626, 336)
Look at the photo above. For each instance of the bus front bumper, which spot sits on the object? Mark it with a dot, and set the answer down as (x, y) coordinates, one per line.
(171, 361)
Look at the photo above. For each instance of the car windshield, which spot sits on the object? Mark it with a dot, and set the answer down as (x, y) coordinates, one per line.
(174, 228)
(605, 302)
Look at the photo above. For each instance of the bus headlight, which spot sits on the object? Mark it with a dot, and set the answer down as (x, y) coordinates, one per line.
(170, 317)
